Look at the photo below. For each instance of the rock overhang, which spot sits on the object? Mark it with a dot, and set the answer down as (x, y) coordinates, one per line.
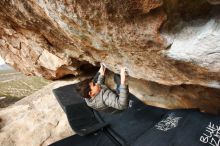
(165, 42)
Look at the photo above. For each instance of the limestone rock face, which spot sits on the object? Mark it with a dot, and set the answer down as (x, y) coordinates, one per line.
(170, 42)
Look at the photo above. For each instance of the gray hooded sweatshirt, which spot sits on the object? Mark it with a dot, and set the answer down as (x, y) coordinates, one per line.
(106, 99)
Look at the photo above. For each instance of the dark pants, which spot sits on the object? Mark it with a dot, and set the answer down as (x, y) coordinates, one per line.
(95, 78)
(117, 80)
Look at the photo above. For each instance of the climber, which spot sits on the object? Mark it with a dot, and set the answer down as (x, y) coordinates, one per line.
(98, 96)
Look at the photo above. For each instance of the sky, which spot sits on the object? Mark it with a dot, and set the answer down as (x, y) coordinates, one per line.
(1, 61)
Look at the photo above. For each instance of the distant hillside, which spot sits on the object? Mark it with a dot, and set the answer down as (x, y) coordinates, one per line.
(5, 67)
(15, 85)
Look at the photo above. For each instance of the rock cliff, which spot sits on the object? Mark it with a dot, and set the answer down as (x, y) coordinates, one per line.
(36, 120)
(171, 44)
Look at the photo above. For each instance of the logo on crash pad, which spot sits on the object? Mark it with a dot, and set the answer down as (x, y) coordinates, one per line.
(170, 122)
(211, 135)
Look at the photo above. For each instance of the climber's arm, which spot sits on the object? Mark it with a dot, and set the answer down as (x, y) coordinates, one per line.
(119, 102)
(101, 78)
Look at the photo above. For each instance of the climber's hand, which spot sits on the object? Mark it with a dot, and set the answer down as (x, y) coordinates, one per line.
(102, 69)
(123, 75)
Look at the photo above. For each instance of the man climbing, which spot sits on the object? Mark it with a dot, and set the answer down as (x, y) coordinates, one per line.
(101, 98)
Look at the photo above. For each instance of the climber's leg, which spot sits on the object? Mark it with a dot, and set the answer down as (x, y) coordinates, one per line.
(117, 80)
(95, 78)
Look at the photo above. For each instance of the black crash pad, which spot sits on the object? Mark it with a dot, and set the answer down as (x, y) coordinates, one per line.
(95, 139)
(180, 128)
(139, 125)
(68, 96)
(195, 126)
(81, 118)
(130, 124)
(163, 132)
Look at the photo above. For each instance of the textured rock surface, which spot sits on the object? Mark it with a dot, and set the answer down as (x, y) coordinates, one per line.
(170, 42)
(199, 45)
(36, 120)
